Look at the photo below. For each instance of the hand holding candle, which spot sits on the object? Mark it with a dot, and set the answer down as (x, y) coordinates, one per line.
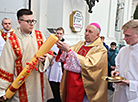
(30, 66)
(63, 46)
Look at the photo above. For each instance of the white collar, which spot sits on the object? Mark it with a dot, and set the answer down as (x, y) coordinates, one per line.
(23, 33)
(6, 31)
(87, 43)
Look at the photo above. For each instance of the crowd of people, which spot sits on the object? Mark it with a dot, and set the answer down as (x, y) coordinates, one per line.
(73, 72)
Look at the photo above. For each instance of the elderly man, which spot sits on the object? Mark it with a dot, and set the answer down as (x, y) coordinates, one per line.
(84, 63)
(19, 49)
(7, 30)
(126, 65)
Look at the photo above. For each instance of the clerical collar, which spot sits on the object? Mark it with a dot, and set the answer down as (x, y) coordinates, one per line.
(87, 43)
(23, 33)
(6, 31)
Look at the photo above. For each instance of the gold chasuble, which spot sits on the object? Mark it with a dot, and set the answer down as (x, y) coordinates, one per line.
(18, 50)
(93, 61)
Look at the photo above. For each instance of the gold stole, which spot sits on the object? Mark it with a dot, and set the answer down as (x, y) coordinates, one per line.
(17, 50)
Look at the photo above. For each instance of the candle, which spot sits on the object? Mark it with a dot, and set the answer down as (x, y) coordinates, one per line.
(30, 66)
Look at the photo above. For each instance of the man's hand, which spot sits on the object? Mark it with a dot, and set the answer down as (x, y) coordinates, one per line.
(42, 58)
(114, 73)
(112, 67)
(3, 97)
(123, 82)
(63, 46)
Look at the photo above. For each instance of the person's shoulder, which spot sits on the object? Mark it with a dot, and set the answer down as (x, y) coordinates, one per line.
(116, 51)
(77, 45)
(124, 49)
(1, 30)
(80, 42)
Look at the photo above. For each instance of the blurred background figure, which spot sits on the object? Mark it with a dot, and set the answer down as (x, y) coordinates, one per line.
(2, 42)
(102, 39)
(111, 61)
(6, 31)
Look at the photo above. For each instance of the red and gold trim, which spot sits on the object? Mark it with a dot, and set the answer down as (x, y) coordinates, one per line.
(84, 50)
(74, 84)
(6, 76)
(17, 50)
(12, 89)
(4, 35)
(39, 39)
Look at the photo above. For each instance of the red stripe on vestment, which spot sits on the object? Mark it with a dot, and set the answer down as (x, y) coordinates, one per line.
(6, 75)
(75, 88)
(39, 39)
(17, 50)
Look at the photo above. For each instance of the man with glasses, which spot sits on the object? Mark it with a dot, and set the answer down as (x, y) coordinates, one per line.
(19, 49)
(7, 30)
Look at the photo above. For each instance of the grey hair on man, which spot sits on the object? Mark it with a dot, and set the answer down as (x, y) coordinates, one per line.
(5, 18)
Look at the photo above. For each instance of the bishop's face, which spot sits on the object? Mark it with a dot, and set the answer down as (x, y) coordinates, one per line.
(91, 33)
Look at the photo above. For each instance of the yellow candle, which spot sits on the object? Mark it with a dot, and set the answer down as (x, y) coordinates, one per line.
(27, 71)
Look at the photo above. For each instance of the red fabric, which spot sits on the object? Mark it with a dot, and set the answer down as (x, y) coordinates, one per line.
(58, 56)
(4, 35)
(6, 75)
(51, 53)
(75, 88)
(39, 39)
(17, 50)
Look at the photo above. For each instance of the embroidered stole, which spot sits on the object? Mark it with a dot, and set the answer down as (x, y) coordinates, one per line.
(4, 35)
(17, 50)
(39, 43)
(74, 81)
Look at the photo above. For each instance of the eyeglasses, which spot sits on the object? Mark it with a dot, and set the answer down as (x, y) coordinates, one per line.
(29, 21)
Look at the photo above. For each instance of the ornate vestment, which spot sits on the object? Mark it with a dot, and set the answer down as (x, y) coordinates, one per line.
(36, 87)
(93, 63)
(5, 35)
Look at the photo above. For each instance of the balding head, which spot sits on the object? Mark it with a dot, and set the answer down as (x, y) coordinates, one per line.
(92, 32)
(7, 24)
